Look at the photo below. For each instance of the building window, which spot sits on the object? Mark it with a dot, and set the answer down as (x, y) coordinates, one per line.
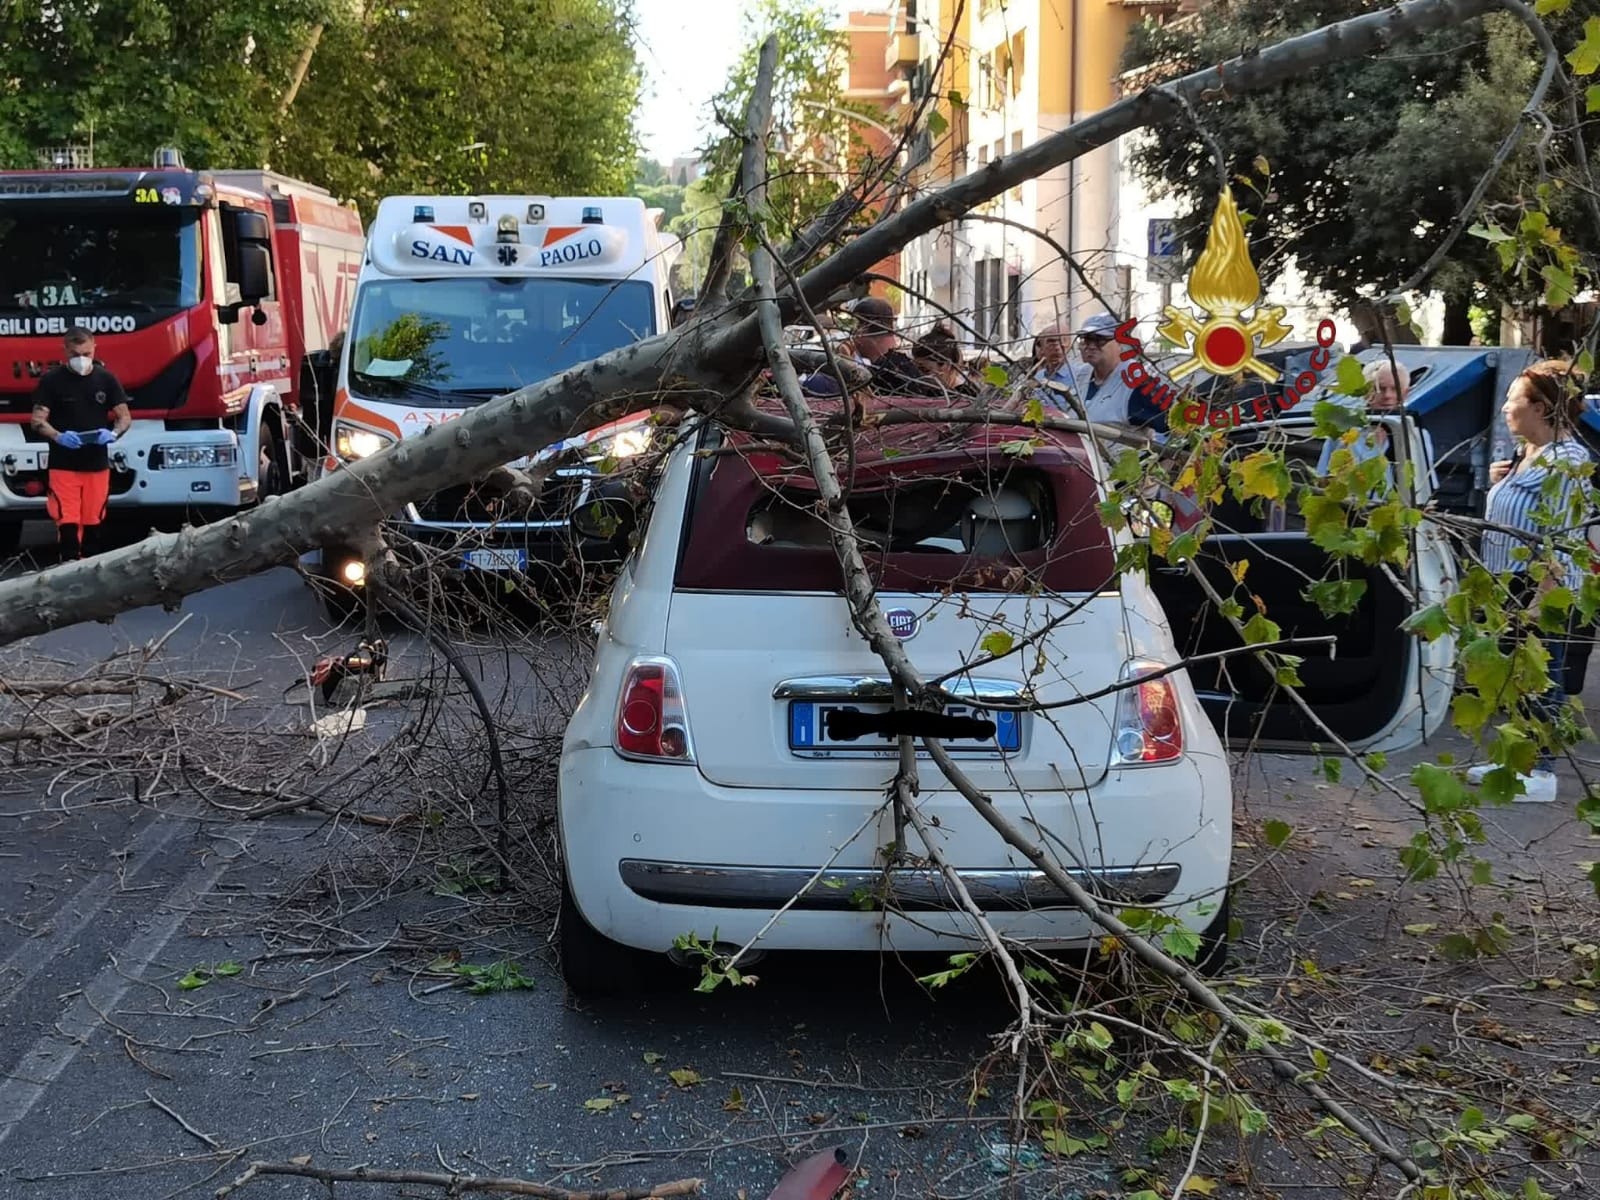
(1014, 306)
(1016, 62)
(986, 96)
(992, 302)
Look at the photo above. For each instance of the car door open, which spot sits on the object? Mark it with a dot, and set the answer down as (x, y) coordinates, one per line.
(1379, 687)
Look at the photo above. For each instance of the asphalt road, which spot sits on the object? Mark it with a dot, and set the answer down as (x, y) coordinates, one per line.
(119, 1082)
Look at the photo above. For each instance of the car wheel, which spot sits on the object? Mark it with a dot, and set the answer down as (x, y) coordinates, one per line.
(1213, 956)
(272, 472)
(592, 965)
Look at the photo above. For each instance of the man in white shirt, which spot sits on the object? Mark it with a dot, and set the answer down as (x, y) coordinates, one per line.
(1096, 381)
(1390, 387)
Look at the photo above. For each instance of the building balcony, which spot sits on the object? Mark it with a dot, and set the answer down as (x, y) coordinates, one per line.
(903, 50)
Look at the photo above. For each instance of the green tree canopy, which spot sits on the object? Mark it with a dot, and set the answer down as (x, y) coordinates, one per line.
(1370, 161)
(204, 76)
(401, 95)
(816, 133)
(529, 96)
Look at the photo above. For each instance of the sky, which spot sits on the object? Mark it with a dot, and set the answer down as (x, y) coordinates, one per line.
(687, 48)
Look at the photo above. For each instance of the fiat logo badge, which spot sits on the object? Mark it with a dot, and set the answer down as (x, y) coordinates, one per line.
(903, 623)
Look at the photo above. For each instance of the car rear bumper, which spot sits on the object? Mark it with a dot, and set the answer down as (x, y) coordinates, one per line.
(655, 851)
(912, 889)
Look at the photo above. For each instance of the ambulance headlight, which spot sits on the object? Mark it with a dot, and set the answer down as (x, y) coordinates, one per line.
(352, 442)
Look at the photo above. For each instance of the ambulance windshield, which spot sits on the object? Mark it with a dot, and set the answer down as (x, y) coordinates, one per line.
(461, 341)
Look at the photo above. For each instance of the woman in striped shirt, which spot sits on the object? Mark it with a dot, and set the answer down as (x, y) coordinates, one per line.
(1533, 498)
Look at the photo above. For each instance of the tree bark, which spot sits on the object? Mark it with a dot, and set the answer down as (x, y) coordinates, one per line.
(701, 365)
(1457, 320)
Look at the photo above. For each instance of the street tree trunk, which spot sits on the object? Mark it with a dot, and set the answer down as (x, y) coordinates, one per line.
(707, 365)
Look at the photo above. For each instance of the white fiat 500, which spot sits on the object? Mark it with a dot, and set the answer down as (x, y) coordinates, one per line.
(732, 741)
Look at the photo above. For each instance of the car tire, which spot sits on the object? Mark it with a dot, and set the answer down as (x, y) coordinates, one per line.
(592, 965)
(1213, 956)
(272, 472)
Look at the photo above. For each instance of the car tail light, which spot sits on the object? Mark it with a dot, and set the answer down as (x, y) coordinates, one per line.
(1149, 722)
(652, 722)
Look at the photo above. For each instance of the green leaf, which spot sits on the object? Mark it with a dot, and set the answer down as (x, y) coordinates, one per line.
(1591, 101)
(997, 643)
(1523, 1122)
(1337, 597)
(227, 969)
(651, 1058)
(1262, 166)
(1546, 8)
(1262, 474)
(684, 1077)
(1442, 791)
(1593, 876)
(1258, 630)
(1559, 287)
(1331, 419)
(1332, 769)
(1585, 57)
(1277, 832)
(1020, 447)
(1492, 234)
(1181, 944)
(1421, 929)
(1430, 623)
(1589, 810)
(996, 375)
(937, 123)
(1348, 377)
(194, 979)
(599, 1104)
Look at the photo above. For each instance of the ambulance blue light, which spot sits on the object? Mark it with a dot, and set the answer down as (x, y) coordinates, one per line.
(422, 212)
(593, 216)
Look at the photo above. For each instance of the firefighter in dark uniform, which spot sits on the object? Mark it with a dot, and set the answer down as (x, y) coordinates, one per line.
(81, 408)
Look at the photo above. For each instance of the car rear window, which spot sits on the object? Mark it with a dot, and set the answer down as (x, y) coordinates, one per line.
(976, 520)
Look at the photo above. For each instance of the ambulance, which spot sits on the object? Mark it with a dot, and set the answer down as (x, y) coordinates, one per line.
(462, 299)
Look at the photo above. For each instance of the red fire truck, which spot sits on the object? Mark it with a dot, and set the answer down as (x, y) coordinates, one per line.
(212, 295)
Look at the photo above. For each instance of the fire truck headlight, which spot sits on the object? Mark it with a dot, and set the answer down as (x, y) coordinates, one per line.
(352, 442)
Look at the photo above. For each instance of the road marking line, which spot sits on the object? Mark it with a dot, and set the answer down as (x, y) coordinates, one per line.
(27, 1082)
(28, 959)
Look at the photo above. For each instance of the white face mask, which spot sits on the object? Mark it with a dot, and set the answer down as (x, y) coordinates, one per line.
(81, 363)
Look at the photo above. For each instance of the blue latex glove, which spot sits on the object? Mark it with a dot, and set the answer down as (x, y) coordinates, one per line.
(69, 440)
(104, 437)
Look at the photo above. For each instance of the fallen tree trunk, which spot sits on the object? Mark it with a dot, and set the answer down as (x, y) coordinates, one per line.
(706, 365)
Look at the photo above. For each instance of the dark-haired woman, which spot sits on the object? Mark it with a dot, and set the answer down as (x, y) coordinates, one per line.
(939, 355)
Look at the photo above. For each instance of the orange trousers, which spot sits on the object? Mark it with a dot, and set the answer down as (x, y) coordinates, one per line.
(78, 497)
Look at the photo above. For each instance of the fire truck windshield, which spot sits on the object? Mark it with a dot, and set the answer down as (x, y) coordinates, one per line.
(459, 341)
(67, 260)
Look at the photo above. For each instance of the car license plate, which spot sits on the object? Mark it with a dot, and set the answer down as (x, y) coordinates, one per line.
(808, 732)
(496, 560)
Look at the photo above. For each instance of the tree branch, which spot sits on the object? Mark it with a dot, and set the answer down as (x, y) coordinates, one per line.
(752, 172)
(454, 1183)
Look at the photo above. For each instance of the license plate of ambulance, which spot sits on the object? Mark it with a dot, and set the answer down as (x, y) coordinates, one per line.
(808, 733)
(495, 560)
